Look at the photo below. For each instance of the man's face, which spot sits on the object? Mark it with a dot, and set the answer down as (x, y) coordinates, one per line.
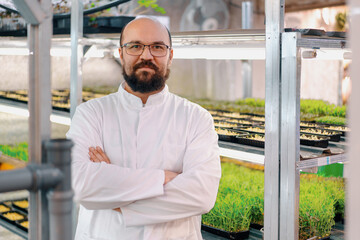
(145, 73)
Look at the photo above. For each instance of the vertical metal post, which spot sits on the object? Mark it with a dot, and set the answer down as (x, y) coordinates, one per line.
(353, 193)
(290, 137)
(274, 15)
(60, 198)
(246, 23)
(341, 76)
(39, 40)
(76, 55)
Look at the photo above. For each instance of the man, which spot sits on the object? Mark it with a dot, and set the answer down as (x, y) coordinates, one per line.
(145, 161)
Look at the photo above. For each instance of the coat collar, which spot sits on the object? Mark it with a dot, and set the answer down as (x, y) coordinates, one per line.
(135, 102)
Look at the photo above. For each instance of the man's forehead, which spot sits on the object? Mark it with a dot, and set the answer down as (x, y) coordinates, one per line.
(144, 29)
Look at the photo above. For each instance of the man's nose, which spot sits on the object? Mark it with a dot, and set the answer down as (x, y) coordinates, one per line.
(146, 54)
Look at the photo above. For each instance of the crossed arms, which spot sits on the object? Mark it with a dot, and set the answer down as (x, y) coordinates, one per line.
(145, 196)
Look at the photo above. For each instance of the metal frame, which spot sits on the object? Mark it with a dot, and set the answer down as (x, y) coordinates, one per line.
(274, 15)
(39, 41)
(76, 55)
(246, 65)
(290, 137)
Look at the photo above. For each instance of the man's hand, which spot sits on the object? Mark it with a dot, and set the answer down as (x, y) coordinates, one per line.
(97, 155)
(169, 176)
(118, 209)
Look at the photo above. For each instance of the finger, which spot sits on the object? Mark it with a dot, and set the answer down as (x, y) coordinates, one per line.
(118, 210)
(98, 155)
(102, 155)
(93, 157)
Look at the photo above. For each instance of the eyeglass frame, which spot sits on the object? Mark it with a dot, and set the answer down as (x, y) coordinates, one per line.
(145, 45)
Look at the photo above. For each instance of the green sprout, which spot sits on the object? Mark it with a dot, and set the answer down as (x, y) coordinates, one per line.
(151, 3)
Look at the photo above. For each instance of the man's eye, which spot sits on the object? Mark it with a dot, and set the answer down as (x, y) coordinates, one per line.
(134, 46)
(158, 47)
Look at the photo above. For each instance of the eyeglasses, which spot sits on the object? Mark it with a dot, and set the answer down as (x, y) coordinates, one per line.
(136, 49)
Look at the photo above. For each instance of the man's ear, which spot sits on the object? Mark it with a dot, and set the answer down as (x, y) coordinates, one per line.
(121, 56)
(171, 56)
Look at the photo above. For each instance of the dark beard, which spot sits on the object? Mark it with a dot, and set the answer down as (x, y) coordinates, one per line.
(140, 83)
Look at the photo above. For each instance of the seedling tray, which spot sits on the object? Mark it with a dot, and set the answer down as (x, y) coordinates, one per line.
(252, 142)
(4, 206)
(249, 131)
(323, 143)
(18, 224)
(233, 139)
(2, 216)
(16, 206)
(226, 234)
(325, 127)
(221, 124)
(333, 137)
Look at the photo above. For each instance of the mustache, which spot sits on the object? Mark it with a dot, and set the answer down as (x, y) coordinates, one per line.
(145, 63)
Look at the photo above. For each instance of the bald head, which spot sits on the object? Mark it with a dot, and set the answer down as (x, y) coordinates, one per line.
(150, 25)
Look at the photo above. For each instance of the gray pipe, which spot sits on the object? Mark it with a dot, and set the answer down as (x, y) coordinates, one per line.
(33, 177)
(61, 197)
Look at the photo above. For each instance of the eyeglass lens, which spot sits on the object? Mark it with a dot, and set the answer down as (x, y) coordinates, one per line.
(136, 49)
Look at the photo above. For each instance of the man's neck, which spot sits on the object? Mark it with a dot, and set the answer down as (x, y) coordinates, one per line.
(143, 96)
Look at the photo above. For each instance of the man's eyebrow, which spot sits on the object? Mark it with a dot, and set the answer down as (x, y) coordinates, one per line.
(156, 42)
(159, 42)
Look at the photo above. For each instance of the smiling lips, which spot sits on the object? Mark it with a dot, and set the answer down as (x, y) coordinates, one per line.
(146, 65)
(146, 68)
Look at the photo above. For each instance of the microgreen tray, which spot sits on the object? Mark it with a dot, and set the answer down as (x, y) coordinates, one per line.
(250, 131)
(226, 234)
(4, 206)
(18, 224)
(323, 142)
(335, 137)
(16, 206)
(2, 216)
(252, 142)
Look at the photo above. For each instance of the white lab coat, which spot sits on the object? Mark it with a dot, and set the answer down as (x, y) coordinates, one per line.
(167, 133)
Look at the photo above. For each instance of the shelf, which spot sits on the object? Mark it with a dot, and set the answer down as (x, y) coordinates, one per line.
(322, 161)
(21, 109)
(314, 156)
(322, 42)
(242, 152)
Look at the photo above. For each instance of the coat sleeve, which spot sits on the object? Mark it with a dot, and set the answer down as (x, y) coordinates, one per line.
(191, 193)
(102, 185)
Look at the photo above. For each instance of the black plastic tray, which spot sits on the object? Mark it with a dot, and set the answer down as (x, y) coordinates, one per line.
(251, 132)
(226, 234)
(225, 122)
(307, 31)
(98, 25)
(11, 221)
(15, 206)
(336, 34)
(315, 143)
(9, 207)
(18, 224)
(323, 126)
(245, 140)
(233, 139)
(332, 137)
(235, 120)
